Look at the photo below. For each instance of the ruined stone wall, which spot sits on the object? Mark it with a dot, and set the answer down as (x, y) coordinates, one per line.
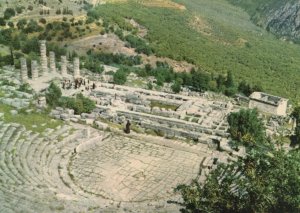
(267, 108)
(282, 108)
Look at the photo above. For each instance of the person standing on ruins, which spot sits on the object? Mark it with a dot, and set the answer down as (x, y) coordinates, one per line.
(127, 128)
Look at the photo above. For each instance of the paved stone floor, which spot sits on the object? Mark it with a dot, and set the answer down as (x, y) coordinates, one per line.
(124, 169)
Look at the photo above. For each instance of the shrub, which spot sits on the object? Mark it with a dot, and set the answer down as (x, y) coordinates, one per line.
(25, 88)
(2, 22)
(8, 13)
(53, 95)
(120, 77)
(43, 20)
(246, 127)
(80, 104)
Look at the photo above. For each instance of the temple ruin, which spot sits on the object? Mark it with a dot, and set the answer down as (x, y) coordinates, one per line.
(268, 103)
(44, 73)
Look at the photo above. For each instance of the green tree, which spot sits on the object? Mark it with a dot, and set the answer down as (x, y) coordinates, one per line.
(200, 81)
(176, 87)
(246, 127)
(2, 22)
(296, 116)
(33, 26)
(221, 83)
(30, 7)
(43, 20)
(80, 104)
(11, 24)
(231, 91)
(21, 24)
(31, 45)
(5, 36)
(149, 86)
(88, 104)
(260, 182)
(245, 88)
(53, 95)
(9, 12)
(120, 77)
(229, 80)
(20, 9)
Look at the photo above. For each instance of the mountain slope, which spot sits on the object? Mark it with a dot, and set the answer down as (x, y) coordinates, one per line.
(216, 36)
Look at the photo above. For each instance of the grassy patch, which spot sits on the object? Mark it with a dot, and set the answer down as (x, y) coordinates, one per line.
(41, 120)
(4, 50)
(2, 94)
(163, 105)
(136, 83)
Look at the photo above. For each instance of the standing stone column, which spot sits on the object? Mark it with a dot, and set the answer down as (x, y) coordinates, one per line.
(64, 64)
(44, 62)
(76, 67)
(52, 62)
(34, 70)
(24, 72)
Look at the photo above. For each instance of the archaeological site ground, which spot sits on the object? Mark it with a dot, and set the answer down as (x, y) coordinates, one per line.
(146, 106)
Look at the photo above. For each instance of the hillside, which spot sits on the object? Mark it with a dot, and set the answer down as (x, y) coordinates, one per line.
(217, 37)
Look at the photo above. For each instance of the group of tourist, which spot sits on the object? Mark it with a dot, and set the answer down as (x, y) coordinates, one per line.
(78, 83)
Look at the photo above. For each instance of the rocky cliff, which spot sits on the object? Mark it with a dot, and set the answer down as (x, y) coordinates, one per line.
(281, 17)
(284, 20)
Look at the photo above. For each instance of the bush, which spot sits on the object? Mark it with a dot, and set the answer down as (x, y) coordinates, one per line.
(43, 20)
(53, 95)
(2, 22)
(149, 85)
(21, 23)
(32, 27)
(20, 9)
(246, 127)
(137, 43)
(230, 91)
(25, 88)
(11, 24)
(259, 182)
(176, 87)
(8, 13)
(120, 77)
(80, 104)
(30, 7)
(31, 45)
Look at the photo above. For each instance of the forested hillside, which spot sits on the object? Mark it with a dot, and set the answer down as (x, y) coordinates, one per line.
(218, 37)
